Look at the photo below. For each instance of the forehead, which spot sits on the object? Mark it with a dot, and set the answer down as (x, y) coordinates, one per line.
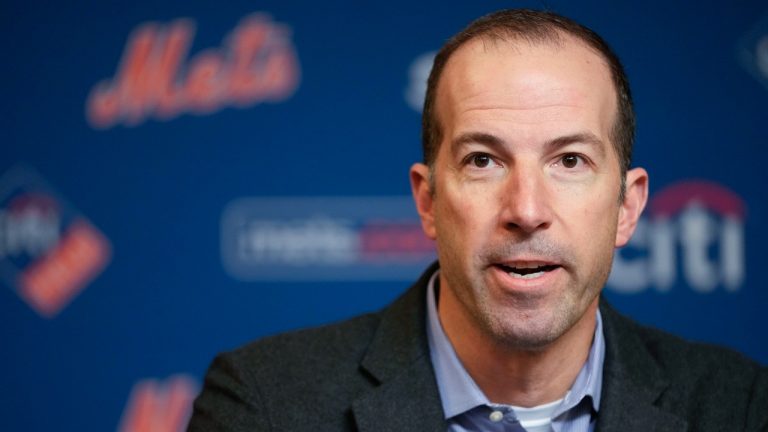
(527, 81)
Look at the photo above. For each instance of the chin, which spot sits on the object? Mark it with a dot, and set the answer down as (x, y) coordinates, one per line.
(530, 330)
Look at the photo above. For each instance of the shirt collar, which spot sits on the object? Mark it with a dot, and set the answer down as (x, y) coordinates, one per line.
(458, 391)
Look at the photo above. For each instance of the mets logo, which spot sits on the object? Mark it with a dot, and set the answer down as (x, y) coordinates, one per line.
(155, 406)
(49, 252)
(694, 233)
(256, 64)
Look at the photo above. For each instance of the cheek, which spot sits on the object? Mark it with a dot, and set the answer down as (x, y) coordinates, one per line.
(593, 219)
(461, 216)
(591, 236)
(450, 217)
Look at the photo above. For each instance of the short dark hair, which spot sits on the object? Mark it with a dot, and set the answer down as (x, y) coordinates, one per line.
(534, 27)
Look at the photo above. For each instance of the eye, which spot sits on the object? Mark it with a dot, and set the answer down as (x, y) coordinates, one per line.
(570, 160)
(480, 160)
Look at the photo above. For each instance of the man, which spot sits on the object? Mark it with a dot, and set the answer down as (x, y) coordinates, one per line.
(526, 189)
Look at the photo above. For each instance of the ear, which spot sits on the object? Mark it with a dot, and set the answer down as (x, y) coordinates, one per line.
(422, 196)
(635, 198)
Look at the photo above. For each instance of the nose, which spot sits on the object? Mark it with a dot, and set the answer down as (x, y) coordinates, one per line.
(526, 201)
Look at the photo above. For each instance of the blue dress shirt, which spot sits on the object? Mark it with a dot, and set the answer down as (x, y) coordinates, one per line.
(468, 409)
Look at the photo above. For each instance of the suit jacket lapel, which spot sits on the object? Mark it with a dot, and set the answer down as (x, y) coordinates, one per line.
(632, 382)
(407, 397)
(408, 402)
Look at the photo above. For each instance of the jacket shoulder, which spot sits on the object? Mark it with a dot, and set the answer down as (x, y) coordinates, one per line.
(319, 349)
(300, 380)
(716, 385)
(691, 362)
(709, 385)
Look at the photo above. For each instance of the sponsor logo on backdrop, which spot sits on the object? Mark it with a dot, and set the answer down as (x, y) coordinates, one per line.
(155, 406)
(49, 251)
(693, 235)
(256, 63)
(753, 51)
(324, 238)
(418, 74)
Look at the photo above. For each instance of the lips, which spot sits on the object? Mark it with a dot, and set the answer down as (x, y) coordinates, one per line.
(526, 269)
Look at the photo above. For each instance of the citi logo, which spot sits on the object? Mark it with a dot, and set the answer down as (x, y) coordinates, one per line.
(257, 63)
(694, 234)
(159, 406)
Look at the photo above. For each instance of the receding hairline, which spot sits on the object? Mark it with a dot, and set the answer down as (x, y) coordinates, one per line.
(534, 27)
(553, 37)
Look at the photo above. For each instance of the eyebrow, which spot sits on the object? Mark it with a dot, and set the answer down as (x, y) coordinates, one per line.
(494, 141)
(583, 137)
(476, 138)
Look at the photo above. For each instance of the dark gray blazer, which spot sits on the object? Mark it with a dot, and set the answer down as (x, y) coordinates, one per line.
(373, 373)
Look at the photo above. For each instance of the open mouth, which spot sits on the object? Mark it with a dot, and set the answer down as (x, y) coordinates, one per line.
(525, 271)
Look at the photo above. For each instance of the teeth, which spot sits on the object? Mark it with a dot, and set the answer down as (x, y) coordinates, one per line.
(526, 276)
(526, 266)
(527, 271)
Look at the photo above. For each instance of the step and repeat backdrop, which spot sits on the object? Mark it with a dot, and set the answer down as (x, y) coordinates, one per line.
(178, 178)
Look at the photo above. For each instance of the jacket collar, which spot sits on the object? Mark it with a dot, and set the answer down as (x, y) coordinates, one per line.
(632, 381)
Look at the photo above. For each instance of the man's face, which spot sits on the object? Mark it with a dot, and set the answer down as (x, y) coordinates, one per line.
(525, 208)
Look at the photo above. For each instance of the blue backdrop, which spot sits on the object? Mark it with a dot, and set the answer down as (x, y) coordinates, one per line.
(179, 178)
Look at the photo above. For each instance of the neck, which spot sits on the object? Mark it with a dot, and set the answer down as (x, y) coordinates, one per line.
(513, 376)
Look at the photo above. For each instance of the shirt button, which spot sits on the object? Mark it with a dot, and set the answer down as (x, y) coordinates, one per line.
(496, 416)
